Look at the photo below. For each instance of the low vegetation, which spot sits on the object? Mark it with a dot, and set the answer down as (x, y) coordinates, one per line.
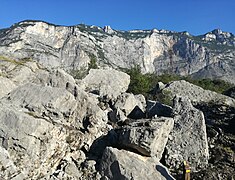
(82, 72)
(13, 61)
(144, 83)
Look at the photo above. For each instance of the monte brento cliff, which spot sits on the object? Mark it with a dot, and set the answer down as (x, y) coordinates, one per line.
(156, 51)
(71, 108)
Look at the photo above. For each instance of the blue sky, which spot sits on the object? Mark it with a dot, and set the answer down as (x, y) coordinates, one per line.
(194, 16)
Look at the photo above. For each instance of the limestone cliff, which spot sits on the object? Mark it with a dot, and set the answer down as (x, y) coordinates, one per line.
(155, 51)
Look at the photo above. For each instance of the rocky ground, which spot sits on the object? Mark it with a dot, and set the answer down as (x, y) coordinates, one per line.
(56, 127)
(219, 112)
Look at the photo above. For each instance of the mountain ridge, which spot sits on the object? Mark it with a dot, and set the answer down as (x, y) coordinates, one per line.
(102, 27)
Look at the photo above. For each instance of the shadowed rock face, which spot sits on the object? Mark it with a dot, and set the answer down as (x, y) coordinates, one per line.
(154, 51)
(220, 122)
(230, 92)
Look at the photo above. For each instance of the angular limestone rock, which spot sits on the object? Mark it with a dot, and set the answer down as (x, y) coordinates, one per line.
(61, 106)
(44, 100)
(35, 145)
(6, 86)
(106, 82)
(146, 136)
(188, 140)
(121, 164)
(126, 102)
(128, 105)
(197, 94)
(56, 78)
(8, 169)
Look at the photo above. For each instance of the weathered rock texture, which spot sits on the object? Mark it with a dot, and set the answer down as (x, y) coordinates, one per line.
(128, 105)
(106, 83)
(146, 136)
(197, 94)
(47, 122)
(220, 131)
(210, 55)
(188, 140)
(121, 164)
(50, 123)
(6, 86)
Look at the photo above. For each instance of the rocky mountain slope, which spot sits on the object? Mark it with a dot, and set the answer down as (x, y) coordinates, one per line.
(156, 51)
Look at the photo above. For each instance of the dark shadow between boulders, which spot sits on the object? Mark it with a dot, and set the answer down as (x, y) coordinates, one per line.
(164, 172)
(99, 145)
(136, 113)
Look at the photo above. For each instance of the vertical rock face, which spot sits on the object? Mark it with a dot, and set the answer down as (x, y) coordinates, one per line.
(154, 51)
(188, 140)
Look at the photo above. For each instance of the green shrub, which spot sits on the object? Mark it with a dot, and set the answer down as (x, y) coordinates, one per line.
(13, 61)
(165, 97)
(92, 64)
(216, 85)
(139, 83)
(83, 71)
(144, 83)
(79, 73)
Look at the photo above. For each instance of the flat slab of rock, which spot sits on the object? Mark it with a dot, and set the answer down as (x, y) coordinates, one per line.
(188, 140)
(148, 137)
(121, 164)
(50, 101)
(106, 82)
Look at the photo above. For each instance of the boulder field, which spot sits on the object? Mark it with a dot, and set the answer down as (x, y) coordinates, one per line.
(53, 126)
